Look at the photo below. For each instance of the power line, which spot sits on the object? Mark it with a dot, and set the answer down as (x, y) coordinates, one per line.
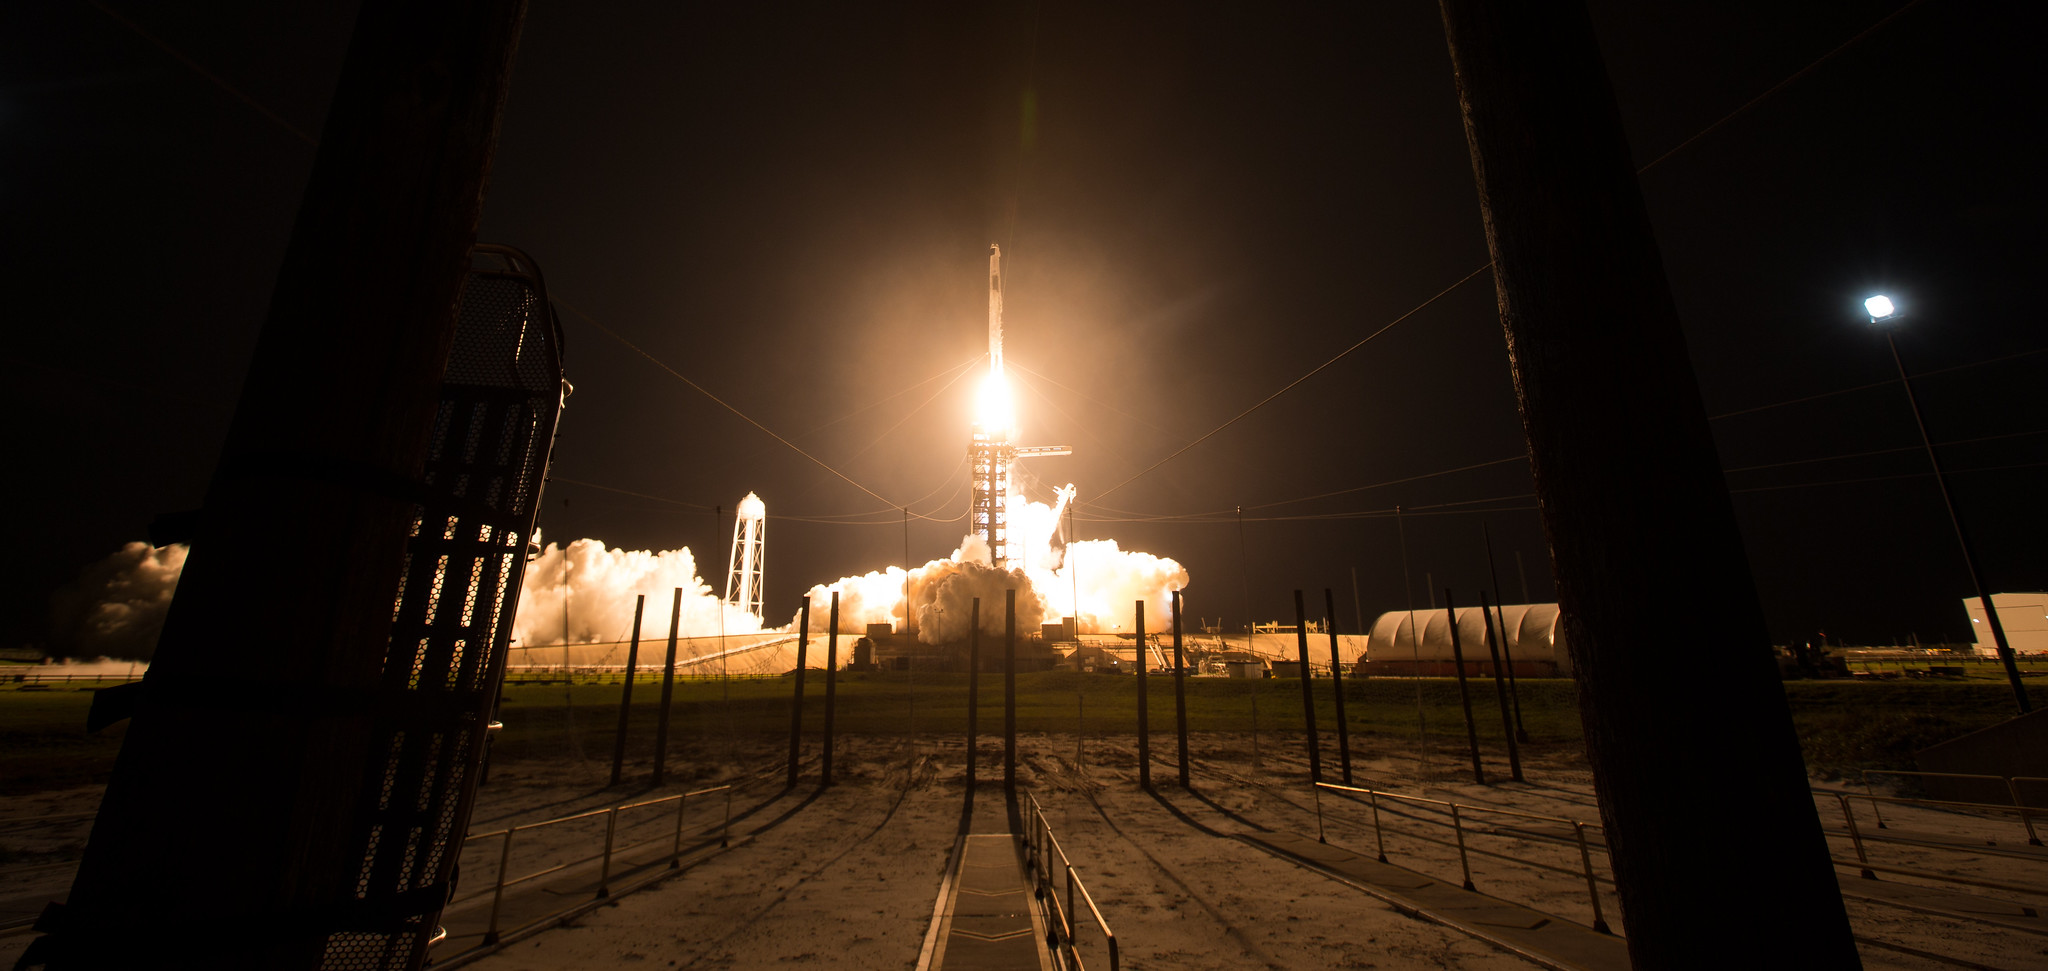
(1885, 478)
(1318, 369)
(1886, 383)
(1781, 85)
(201, 70)
(700, 389)
(628, 492)
(1427, 475)
(1774, 89)
(1883, 451)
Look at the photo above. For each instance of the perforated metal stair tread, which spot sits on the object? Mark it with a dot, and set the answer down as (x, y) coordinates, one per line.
(988, 924)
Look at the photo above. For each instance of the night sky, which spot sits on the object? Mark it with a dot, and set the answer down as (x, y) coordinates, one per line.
(1198, 204)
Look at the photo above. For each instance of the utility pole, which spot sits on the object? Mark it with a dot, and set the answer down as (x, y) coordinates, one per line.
(1626, 473)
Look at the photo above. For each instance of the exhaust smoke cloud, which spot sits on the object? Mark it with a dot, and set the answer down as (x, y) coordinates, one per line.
(116, 607)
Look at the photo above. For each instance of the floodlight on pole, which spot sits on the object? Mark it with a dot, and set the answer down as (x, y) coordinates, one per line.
(1881, 310)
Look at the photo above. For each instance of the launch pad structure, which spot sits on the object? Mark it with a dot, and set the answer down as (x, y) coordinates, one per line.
(990, 451)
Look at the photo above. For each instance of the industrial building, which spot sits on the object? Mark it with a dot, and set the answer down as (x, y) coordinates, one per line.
(2023, 615)
(1533, 641)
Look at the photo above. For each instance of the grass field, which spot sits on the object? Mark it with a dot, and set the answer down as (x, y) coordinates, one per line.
(1844, 725)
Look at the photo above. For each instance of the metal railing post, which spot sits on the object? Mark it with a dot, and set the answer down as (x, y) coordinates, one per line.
(1320, 837)
(1464, 862)
(604, 875)
(1378, 837)
(1073, 920)
(1592, 885)
(2014, 788)
(725, 830)
(675, 854)
(1855, 836)
(498, 893)
(1872, 795)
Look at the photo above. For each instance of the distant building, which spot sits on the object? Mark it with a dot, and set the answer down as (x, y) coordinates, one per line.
(2023, 615)
(1534, 642)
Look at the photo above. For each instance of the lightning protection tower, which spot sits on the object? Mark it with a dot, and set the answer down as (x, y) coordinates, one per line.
(749, 552)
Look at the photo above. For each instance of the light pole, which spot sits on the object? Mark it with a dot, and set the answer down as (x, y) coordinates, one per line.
(1883, 311)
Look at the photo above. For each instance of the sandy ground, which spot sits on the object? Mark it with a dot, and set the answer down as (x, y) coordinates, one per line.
(847, 876)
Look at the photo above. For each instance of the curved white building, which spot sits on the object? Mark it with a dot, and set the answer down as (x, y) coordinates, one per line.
(1534, 640)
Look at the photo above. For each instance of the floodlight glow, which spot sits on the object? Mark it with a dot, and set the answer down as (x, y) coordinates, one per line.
(1879, 307)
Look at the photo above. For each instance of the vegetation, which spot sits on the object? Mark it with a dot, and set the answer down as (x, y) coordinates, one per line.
(1844, 725)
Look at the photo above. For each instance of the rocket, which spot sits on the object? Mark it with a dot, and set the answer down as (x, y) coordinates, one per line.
(995, 309)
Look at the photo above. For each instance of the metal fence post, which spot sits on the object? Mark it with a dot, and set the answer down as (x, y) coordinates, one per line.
(1464, 862)
(2014, 788)
(1873, 800)
(675, 854)
(498, 893)
(725, 830)
(1592, 884)
(604, 874)
(1855, 836)
(1073, 920)
(1320, 837)
(1378, 838)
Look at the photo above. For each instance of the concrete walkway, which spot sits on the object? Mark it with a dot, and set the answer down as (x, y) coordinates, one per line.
(987, 922)
(1537, 936)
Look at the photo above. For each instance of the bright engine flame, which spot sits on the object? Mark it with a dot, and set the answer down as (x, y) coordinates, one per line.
(994, 409)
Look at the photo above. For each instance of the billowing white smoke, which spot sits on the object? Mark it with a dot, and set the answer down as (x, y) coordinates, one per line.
(116, 607)
(1110, 581)
(1107, 581)
(602, 584)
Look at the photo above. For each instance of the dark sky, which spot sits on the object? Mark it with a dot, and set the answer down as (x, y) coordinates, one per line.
(1199, 203)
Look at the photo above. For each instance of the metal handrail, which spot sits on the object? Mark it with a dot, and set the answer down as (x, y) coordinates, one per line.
(2012, 788)
(611, 815)
(1457, 825)
(35, 677)
(1868, 869)
(1040, 848)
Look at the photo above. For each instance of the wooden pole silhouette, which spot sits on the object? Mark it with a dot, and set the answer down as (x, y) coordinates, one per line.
(1009, 690)
(1337, 687)
(796, 705)
(1308, 698)
(1500, 693)
(973, 689)
(831, 690)
(1144, 709)
(1464, 692)
(668, 691)
(226, 800)
(1180, 690)
(1626, 473)
(626, 691)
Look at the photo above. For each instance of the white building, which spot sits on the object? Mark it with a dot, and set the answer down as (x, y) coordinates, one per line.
(1534, 639)
(2023, 615)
